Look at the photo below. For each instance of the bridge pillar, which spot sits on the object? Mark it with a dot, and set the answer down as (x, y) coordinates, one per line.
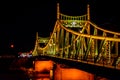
(88, 17)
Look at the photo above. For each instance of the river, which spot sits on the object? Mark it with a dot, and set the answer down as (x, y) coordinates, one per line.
(15, 69)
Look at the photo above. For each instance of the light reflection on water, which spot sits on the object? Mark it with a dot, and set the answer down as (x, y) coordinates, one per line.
(61, 73)
(42, 79)
(58, 73)
(72, 74)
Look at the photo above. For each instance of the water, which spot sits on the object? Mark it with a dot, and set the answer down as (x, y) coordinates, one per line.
(16, 68)
(8, 74)
(63, 72)
(13, 75)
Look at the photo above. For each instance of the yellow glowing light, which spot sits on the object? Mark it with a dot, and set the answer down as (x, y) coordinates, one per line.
(41, 66)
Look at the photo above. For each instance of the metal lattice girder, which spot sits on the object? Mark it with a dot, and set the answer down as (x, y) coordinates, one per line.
(78, 48)
(43, 40)
(92, 51)
(66, 44)
(61, 44)
(57, 38)
(72, 46)
(88, 49)
(100, 51)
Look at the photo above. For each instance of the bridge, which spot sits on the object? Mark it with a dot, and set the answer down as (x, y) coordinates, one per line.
(79, 42)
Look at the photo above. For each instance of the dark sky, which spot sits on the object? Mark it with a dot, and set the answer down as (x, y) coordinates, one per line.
(19, 21)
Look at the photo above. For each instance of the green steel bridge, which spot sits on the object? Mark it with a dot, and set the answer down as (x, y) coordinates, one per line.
(78, 39)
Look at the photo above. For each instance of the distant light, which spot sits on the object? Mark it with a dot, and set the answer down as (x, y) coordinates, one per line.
(24, 54)
(30, 51)
(12, 46)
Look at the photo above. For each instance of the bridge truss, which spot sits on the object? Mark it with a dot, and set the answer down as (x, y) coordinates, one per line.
(77, 38)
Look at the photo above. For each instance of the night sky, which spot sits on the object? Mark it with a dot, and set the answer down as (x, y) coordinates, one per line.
(19, 21)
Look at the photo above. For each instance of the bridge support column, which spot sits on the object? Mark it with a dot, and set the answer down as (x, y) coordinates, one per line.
(66, 44)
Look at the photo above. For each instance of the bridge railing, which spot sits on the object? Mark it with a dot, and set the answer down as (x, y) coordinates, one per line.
(67, 17)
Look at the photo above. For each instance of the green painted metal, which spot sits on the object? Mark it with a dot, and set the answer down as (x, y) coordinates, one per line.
(61, 42)
(88, 49)
(43, 40)
(77, 56)
(66, 44)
